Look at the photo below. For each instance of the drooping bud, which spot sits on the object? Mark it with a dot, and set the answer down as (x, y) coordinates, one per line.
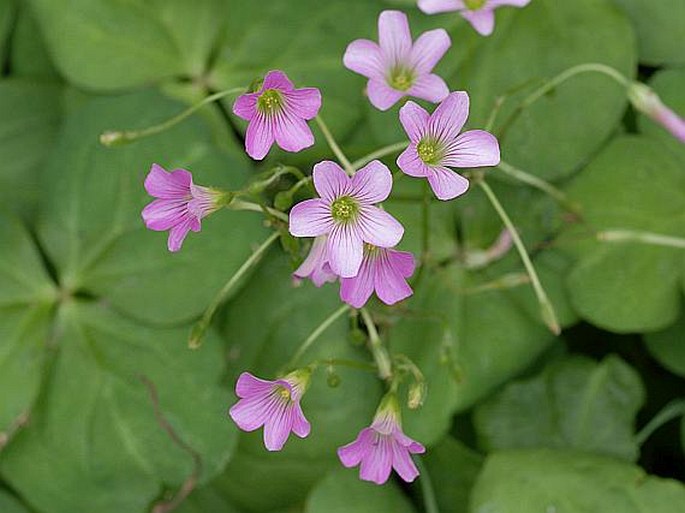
(416, 395)
(647, 101)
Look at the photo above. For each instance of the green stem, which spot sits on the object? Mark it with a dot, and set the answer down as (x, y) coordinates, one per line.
(671, 411)
(342, 362)
(120, 137)
(380, 354)
(316, 334)
(650, 238)
(540, 184)
(430, 503)
(379, 154)
(200, 328)
(237, 204)
(334, 146)
(546, 307)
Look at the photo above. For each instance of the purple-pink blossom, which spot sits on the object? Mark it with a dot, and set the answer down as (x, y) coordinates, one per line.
(180, 204)
(384, 271)
(278, 112)
(436, 145)
(315, 266)
(383, 446)
(648, 102)
(479, 13)
(347, 214)
(395, 66)
(272, 404)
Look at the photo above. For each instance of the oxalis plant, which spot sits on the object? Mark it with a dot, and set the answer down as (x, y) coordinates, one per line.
(348, 263)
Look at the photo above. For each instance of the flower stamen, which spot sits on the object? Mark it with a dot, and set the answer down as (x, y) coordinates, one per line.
(270, 101)
(344, 209)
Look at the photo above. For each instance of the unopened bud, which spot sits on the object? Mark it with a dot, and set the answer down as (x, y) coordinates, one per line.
(283, 200)
(113, 139)
(333, 378)
(645, 100)
(416, 395)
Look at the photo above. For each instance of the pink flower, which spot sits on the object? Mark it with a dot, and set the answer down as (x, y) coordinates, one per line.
(383, 270)
(278, 112)
(346, 213)
(436, 145)
(180, 204)
(272, 404)
(382, 447)
(315, 266)
(479, 13)
(395, 67)
(648, 102)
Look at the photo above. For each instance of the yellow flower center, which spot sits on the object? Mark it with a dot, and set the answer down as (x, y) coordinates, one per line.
(428, 151)
(270, 101)
(344, 209)
(474, 5)
(401, 78)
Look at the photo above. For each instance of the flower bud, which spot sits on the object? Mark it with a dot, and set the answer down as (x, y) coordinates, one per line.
(645, 100)
(416, 395)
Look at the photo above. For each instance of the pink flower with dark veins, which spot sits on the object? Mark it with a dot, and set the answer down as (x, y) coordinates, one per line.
(278, 113)
(479, 13)
(395, 66)
(384, 271)
(436, 145)
(347, 213)
(382, 447)
(180, 204)
(272, 404)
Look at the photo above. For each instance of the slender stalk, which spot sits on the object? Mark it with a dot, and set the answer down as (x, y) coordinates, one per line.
(671, 411)
(379, 154)
(342, 362)
(120, 137)
(430, 503)
(650, 238)
(380, 354)
(334, 146)
(546, 308)
(316, 334)
(200, 328)
(237, 204)
(540, 184)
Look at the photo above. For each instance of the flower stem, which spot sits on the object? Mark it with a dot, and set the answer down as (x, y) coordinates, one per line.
(120, 137)
(378, 154)
(430, 503)
(334, 146)
(316, 334)
(671, 411)
(540, 184)
(546, 307)
(342, 362)
(200, 328)
(237, 204)
(650, 238)
(380, 354)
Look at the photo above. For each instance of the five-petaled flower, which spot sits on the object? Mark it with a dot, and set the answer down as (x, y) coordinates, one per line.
(278, 112)
(436, 145)
(180, 204)
(383, 446)
(479, 13)
(383, 270)
(315, 266)
(272, 404)
(647, 101)
(395, 67)
(346, 212)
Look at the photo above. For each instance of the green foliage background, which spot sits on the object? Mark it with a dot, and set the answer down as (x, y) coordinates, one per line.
(93, 308)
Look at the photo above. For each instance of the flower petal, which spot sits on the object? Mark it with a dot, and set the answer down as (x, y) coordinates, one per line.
(249, 386)
(475, 148)
(390, 285)
(356, 291)
(245, 106)
(310, 218)
(377, 463)
(372, 183)
(411, 164)
(352, 454)
(403, 464)
(438, 6)
(450, 116)
(178, 233)
(278, 425)
(394, 36)
(304, 103)
(277, 80)
(447, 184)
(249, 414)
(163, 185)
(345, 251)
(330, 181)
(315, 265)
(379, 228)
(403, 262)
(428, 49)
(429, 87)
(259, 137)
(483, 20)
(162, 214)
(292, 133)
(301, 426)
(381, 95)
(364, 57)
(414, 120)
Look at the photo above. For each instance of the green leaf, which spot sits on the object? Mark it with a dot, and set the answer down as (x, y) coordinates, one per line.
(9, 504)
(668, 347)
(341, 491)
(660, 28)
(573, 404)
(91, 223)
(94, 442)
(99, 44)
(7, 13)
(264, 327)
(544, 480)
(453, 469)
(31, 115)
(629, 286)
(29, 53)
(554, 137)
(206, 500)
